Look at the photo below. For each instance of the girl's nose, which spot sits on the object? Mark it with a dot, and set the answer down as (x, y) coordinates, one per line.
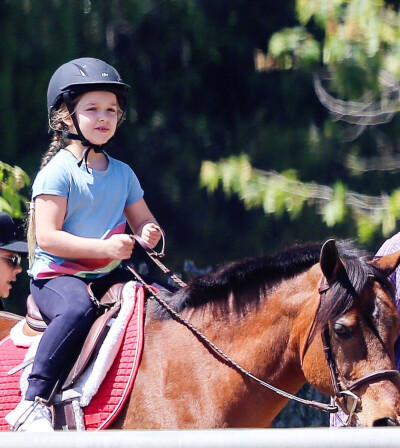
(102, 116)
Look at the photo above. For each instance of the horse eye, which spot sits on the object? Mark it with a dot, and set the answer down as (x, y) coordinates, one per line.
(342, 331)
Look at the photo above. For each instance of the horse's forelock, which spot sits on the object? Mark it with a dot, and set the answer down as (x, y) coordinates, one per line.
(349, 284)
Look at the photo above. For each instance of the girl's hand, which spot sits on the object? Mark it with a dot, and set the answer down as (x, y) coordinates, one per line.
(119, 246)
(150, 234)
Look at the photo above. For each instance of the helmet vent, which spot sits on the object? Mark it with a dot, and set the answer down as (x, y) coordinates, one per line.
(81, 69)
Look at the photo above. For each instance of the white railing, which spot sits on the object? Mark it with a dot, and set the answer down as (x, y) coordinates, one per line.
(232, 438)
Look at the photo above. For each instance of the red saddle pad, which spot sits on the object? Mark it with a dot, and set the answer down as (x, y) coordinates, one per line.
(114, 390)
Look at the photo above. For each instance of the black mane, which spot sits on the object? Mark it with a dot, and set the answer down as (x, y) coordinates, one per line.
(255, 273)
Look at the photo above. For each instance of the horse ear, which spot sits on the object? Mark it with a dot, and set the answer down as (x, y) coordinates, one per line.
(329, 260)
(386, 264)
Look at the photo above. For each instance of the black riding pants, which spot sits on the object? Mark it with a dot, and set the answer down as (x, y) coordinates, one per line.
(68, 310)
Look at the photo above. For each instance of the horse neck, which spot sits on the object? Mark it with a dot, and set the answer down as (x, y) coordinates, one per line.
(262, 336)
(267, 339)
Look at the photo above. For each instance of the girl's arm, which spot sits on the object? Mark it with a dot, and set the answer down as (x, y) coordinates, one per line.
(142, 222)
(49, 218)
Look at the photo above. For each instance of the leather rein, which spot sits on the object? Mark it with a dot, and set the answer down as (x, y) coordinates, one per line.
(339, 391)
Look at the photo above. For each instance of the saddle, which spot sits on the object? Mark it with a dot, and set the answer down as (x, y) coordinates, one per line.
(104, 386)
(108, 306)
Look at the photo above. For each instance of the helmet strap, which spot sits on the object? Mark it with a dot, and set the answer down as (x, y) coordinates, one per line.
(69, 135)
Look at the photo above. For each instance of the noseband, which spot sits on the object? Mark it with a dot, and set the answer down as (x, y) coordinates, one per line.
(343, 388)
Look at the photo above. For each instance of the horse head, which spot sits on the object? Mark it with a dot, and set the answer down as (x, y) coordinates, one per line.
(356, 325)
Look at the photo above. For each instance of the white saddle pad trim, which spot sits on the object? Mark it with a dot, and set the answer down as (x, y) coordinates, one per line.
(19, 338)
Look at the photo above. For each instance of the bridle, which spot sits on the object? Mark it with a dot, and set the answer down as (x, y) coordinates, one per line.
(343, 388)
(336, 377)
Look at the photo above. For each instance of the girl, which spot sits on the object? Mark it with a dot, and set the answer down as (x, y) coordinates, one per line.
(81, 200)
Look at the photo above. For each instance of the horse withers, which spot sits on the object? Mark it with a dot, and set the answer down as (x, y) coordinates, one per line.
(276, 317)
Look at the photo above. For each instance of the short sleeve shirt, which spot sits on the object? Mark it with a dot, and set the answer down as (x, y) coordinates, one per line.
(95, 209)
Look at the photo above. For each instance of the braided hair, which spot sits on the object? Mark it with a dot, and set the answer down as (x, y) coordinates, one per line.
(57, 126)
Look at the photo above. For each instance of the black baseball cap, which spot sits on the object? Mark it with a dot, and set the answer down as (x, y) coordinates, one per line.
(9, 239)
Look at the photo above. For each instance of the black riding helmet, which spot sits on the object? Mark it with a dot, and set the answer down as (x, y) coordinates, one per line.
(78, 77)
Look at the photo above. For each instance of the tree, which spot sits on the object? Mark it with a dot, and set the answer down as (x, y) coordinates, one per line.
(350, 49)
(12, 180)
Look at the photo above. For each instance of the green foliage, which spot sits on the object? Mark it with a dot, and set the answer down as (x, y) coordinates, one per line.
(280, 193)
(226, 174)
(12, 180)
(357, 42)
(360, 39)
(334, 210)
(294, 46)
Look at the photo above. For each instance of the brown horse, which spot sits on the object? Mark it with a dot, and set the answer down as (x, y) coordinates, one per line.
(272, 316)
(7, 321)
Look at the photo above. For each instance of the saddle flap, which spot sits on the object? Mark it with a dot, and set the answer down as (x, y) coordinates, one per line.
(97, 334)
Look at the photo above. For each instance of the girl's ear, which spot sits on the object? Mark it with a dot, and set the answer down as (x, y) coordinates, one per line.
(68, 121)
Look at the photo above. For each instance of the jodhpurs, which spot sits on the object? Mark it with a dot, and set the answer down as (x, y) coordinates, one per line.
(66, 307)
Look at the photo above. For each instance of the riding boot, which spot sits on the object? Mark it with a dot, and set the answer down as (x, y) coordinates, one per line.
(31, 416)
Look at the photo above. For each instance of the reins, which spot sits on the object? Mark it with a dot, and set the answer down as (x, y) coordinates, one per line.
(154, 295)
(155, 257)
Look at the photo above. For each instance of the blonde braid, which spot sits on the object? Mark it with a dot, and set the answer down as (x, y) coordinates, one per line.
(56, 126)
(31, 233)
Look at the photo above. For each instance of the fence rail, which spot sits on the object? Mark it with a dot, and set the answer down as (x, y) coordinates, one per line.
(232, 438)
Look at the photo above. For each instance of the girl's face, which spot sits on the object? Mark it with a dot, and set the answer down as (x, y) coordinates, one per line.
(9, 268)
(97, 114)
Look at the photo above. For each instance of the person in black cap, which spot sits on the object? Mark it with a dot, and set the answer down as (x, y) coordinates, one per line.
(11, 248)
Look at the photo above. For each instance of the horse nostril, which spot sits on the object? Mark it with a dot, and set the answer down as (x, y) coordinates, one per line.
(385, 422)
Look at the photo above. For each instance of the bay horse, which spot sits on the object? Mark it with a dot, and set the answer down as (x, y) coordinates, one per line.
(322, 314)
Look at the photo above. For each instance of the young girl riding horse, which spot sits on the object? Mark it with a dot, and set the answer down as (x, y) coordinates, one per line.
(81, 201)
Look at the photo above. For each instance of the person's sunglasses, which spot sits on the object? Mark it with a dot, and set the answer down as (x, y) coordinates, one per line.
(15, 260)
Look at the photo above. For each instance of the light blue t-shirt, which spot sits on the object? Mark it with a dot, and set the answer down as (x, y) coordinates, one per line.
(95, 209)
